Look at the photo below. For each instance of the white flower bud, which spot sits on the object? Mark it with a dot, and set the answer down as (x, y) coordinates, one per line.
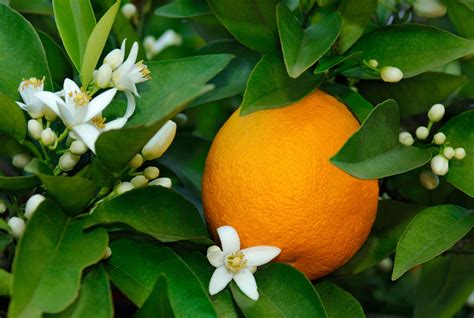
(21, 160)
(167, 39)
(149, 42)
(151, 173)
(114, 58)
(129, 10)
(448, 152)
(405, 138)
(47, 137)
(422, 133)
(17, 226)
(123, 187)
(139, 181)
(459, 153)
(429, 180)
(35, 128)
(436, 112)
(49, 114)
(439, 165)
(68, 161)
(386, 264)
(164, 182)
(78, 147)
(32, 204)
(429, 8)
(160, 142)
(104, 76)
(391, 74)
(136, 161)
(373, 63)
(107, 253)
(439, 138)
(3, 206)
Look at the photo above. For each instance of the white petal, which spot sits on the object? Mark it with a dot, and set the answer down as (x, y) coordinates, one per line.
(247, 284)
(98, 104)
(115, 124)
(132, 57)
(66, 116)
(130, 105)
(88, 134)
(259, 255)
(219, 280)
(230, 241)
(51, 100)
(216, 258)
(69, 88)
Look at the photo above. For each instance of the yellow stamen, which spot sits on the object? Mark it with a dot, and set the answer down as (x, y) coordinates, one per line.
(143, 70)
(80, 98)
(99, 121)
(33, 81)
(235, 261)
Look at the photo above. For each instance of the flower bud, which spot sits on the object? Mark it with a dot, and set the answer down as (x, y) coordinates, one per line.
(459, 153)
(429, 8)
(436, 112)
(48, 137)
(35, 128)
(160, 142)
(78, 147)
(107, 253)
(49, 114)
(180, 119)
(149, 42)
(439, 138)
(68, 161)
(429, 180)
(139, 181)
(391, 74)
(129, 10)
(32, 204)
(21, 160)
(167, 39)
(114, 58)
(422, 133)
(405, 138)
(17, 226)
(373, 63)
(386, 264)
(151, 173)
(123, 187)
(136, 161)
(439, 165)
(164, 182)
(3, 206)
(104, 76)
(448, 152)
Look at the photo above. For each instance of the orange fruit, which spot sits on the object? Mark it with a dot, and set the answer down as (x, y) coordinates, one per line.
(268, 175)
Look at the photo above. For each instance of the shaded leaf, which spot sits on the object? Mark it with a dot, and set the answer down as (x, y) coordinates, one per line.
(327, 62)
(337, 302)
(58, 64)
(33, 7)
(461, 15)
(183, 9)
(158, 303)
(12, 121)
(18, 183)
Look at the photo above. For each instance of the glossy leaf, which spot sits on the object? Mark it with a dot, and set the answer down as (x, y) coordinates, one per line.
(157, 211)
(12, 121)
(252, 22)
(59, 66)
(75, 21)
(360, 107)
(183, 9)
(414, 95)
(461, 16)
(431, 232)
(460, 133)
(60, 250)
(158, 303)
(18, 183)
(284, 292)
(327, 62)
(337, 302)
(10, 146)
(269, 86)
(20, 45)
(374, 152)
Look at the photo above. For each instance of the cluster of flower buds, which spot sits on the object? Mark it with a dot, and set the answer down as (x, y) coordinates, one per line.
(148, 177)
(388, 74)
(155, 46)
(17, 224)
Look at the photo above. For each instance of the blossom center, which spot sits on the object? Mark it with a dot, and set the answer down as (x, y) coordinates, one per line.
(98, 121)
(33, 81)
(80, 98)
(235, 261)
(143, 70)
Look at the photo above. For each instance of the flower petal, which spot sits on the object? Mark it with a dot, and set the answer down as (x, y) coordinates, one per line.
(215, 257)
(219, 280)
(88, 134)
(247, 284)
(68, 119)
(69, 88)
(115, 124)
(259, 255)
(98, 104)
(51, 100)
(230, 241)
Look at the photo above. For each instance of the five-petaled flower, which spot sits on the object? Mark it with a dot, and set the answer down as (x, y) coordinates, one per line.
(28, 89)
(233, 263)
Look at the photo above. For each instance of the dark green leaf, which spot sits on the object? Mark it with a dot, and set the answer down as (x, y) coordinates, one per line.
(12, 120)
(252, 22)
(269, 86)
(60, 250)
(156, 211)
(430, 233)
(284, 292)
(18, 183)
(5, 282)
(33, 7)
(373, 151)
(327, 62)
(158, 303)
(461, 16)
(183, 9)
(58, 64)
(10, 146)
(414, 95)
(20, 45)
(5, 239)
(337, 302)
(37, 166)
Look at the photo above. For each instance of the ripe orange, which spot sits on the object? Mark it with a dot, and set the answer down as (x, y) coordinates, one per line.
(268, 175)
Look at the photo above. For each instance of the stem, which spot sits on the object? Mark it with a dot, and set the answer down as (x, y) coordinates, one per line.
(63, 135)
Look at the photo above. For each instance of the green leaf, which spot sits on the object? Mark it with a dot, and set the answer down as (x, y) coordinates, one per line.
(412, 48)
(252, 22)
(94, 300)
(327, 62)
(284, 292)
(183, 9)
(58, 64)
(96, 42)
(10, 146)
(32, 7)
(158, 303)
(444, 285)
(6, 279)
(5, 240)
(355, 17)
(20, 45)
(134, 268)
(12, 121)
(461, 16)
(75, 21)
(18, 183)
(269, 86)
(460, 133)
(414, 95)
(72, 193)
(302, 48)
(338, 302)
(374, 152)
(157, 211)
(60, 250)
(430, 233)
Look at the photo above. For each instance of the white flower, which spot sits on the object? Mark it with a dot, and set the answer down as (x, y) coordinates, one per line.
(32, 204)
(429, 8)
(104, 76)
(439, 138)
(439, 165)
(164, 182)
(422, 133)
(139, 181)
(405, 138)
(429, 180)
(151, 173)
(17, 226)
(167, 39)
(28, 89)
(233, 263)
(391, 74)
(149, 42)
(449, 152)
(129, 10)
(116, 56)
(160, 142)
(35, 128)
(459, 153)
(68, 161)
(436, 112)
